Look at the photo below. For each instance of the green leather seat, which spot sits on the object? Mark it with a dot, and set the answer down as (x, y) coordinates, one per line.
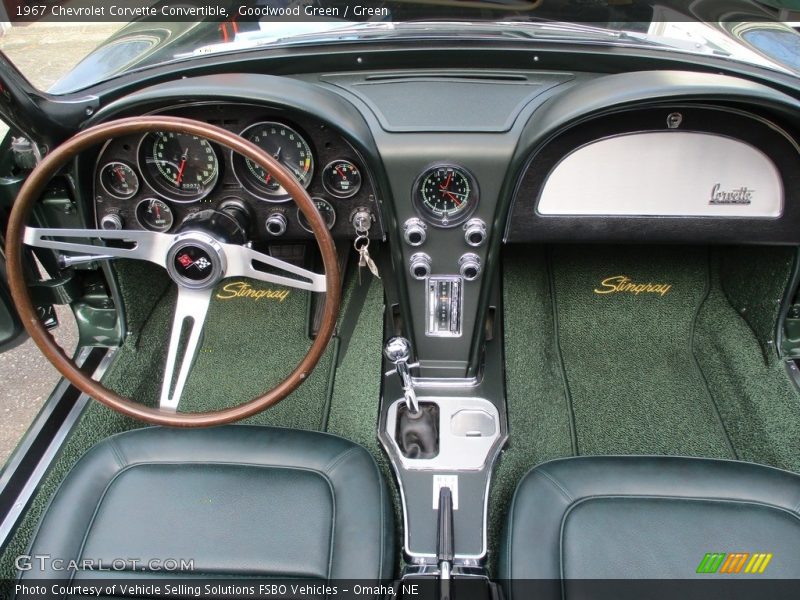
(238, 501)
(648, 518)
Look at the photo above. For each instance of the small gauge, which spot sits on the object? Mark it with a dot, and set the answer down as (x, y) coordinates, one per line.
(325, 209)
(181, 166)
(341, 178)
(154, 214)
(119, 180)
(446, 195)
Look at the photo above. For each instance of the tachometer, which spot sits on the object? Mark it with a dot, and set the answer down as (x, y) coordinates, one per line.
(287, 146)
(446, 195)
(181, 166)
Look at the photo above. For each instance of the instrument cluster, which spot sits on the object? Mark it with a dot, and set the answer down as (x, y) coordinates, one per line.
(157, 180)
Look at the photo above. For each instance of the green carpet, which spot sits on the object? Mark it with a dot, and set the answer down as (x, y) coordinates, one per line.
(635, 385)
(539, 421)
(673, 371)
(735, 348)
(248, 347)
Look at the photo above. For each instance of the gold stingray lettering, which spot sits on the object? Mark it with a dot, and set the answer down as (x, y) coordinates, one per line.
(623, 284)
(242, 289)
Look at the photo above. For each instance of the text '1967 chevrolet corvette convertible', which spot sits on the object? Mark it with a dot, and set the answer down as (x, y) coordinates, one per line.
(487, 299)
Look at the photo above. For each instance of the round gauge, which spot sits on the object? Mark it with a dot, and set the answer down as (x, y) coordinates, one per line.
(325, 209)
(119, 180)
(341, 178)
(446, 195)
(154, 214)
(181, 166)
(287, 147)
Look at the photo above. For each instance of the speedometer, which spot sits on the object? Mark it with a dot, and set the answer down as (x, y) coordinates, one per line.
(181, 166)
(446, 195)
(286, 146)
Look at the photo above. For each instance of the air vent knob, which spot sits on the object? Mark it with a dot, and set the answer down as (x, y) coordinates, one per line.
(475, 232)
(415, 232)
(469, 266)
(420, 265)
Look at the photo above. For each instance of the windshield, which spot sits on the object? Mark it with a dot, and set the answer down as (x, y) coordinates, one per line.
(64, 46)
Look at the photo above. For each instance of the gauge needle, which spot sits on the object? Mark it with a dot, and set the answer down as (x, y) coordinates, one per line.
(182, 166)
(339, 169)
(453, 197)
(120, 176)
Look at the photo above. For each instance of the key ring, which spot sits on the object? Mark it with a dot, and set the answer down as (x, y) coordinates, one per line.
(361, 242)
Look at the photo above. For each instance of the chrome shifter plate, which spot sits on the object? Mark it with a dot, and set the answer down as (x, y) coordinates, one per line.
(444, 306)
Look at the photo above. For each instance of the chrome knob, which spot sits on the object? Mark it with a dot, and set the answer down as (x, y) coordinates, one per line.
(111, 222)
(276, 224)
(475, 232)
(469, 266)
(398, 352)
(397, 349)
(420, 265)
(415, 232)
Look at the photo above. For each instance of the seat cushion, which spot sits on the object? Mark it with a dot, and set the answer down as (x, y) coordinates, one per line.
(650, 517)
(237, 501)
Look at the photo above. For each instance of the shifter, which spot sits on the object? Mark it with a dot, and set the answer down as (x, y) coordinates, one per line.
(398, 352)
(417, 431)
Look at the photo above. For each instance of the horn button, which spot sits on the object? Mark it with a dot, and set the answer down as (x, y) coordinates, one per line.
(196, 260)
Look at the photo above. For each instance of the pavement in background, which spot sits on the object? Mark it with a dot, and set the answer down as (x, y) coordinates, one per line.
(44, 53)
(26, 381)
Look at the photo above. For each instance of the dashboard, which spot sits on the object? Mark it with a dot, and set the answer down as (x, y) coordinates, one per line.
(450, 165)
(158, 180)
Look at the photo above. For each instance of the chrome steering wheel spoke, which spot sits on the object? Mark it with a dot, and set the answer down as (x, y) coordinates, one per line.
(242, 262)
(142, 245)
(187, 324)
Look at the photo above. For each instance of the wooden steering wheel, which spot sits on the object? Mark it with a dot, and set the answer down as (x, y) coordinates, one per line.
(218, 260)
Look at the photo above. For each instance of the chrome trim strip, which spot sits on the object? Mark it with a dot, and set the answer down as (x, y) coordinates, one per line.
(9, 524)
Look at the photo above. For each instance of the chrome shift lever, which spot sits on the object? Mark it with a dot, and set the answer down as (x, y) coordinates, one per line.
(398, 352)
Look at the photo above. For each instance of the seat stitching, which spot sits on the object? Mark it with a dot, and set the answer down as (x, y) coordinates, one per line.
(119, 456)
(337, 460)
(94, 516)
(709, 499)
(510, 540)
(329, 469)
(332, 542)
(555, 482)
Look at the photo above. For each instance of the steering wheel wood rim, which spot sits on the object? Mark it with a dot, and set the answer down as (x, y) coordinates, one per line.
(31, 191)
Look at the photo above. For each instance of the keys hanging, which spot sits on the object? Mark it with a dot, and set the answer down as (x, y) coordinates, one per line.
(361, 245)
(362, 221)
